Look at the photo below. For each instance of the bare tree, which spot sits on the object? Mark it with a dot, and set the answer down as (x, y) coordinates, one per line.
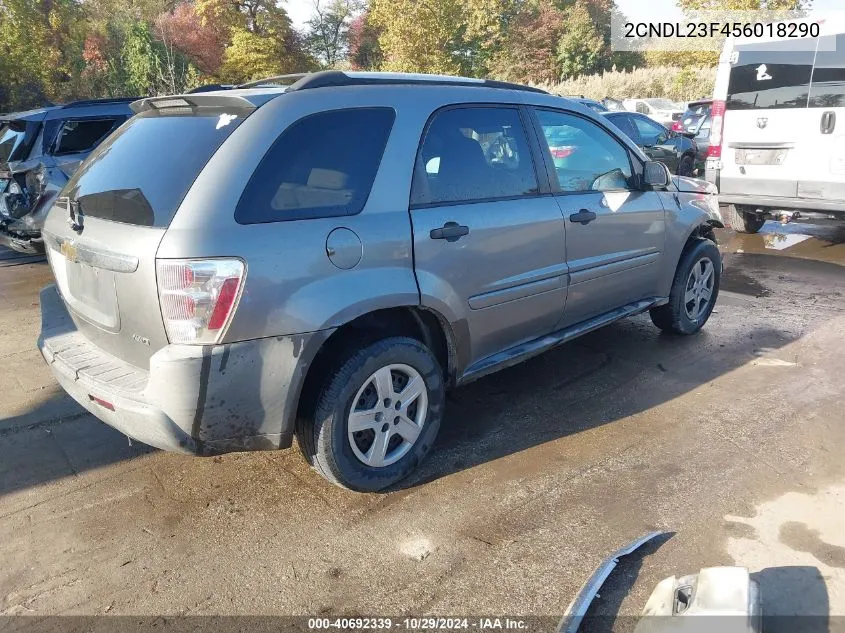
(327, 35)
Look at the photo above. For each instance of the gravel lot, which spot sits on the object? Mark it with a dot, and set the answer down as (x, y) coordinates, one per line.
(731, 440)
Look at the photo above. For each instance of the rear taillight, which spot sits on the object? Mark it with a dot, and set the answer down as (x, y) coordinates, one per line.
(198, 297)
(717, 124)
(562, 152)
(677, 126)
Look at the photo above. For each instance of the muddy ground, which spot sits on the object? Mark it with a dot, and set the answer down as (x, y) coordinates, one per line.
(731, 441)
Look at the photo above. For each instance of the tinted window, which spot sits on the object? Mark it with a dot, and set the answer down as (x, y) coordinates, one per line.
(651, 133)
(81, 136)
(623, 122)
(10, 139)
(770, 75)
(321, 166)
(586, 157)
(642, 108)
(474, 154)
(828, 86)
(139, 175)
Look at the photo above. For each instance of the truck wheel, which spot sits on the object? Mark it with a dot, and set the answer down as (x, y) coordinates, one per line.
(687, 165)
(694, 290)
(744, 220)
(377, 415)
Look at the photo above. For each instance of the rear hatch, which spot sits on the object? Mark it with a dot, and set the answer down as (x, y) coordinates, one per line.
(103, 233)
(766, 102)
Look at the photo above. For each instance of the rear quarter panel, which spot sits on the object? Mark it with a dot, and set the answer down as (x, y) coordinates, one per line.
(291, 285)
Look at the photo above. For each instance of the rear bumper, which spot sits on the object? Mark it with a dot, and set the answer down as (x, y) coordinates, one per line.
(832, 207)
(194, 399)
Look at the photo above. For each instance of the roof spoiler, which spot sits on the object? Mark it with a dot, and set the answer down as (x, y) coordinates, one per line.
(199, 100)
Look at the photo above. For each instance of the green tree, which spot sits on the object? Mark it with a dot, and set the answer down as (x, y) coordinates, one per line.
(581, 49)
(440, 36)
(327, 32)
(527, 53)
(262, 41)
(40, 51)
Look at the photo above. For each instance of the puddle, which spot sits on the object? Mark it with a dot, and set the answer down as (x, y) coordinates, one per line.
(782, 241)
(734, 280)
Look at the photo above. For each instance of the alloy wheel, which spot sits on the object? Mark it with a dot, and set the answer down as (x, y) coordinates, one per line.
(387, 415)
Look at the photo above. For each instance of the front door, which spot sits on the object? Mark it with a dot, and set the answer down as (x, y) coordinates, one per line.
(488, 247)
(657, 142)
(614, 231)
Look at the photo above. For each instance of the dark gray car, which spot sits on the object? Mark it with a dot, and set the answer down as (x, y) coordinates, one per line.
(39, 151)
(674, 149)
(325, 259)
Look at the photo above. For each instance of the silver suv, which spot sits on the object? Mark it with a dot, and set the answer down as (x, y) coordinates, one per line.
(325, 259)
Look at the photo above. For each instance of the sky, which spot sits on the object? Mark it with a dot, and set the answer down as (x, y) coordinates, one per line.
(300, 10)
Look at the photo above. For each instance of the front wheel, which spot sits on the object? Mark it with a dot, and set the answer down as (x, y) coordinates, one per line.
(377, 415)
(695, 289)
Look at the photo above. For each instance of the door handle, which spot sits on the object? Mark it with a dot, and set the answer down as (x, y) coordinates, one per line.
(828, 122)
(584, 216)
(451, 232)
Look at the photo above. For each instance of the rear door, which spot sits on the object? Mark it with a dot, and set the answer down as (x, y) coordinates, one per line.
(823, 166)
(486, 240)
(102, 236)
(614, 232)
(765, 123)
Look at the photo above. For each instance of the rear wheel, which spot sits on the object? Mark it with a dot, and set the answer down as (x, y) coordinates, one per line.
(695, 289)
(377, 415)
(744, 219)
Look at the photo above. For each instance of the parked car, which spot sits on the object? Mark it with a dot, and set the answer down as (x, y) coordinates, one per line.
(39, 151)
(776, 139)
(613, 104)
(267, 277)
(695, 123)
(595, 106)
(663, 111)
(675, 150)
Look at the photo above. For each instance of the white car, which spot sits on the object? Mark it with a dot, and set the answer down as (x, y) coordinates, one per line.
(777, 139)
(663, 111)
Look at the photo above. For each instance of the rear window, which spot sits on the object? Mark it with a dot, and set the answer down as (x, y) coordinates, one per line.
(10, 140)
(828, 89)
(141, 173)
(323, 165)
(770, 75)
(82, 135)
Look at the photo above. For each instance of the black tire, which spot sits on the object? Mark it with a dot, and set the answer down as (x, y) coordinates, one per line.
(686, 166)
(323, 438)
(744, 220)
(673, 316)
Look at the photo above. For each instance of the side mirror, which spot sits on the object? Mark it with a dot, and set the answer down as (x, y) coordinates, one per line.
(656, 174)
(688, 134)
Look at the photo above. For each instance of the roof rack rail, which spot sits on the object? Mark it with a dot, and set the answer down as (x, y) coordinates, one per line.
(211, 88)
(336, 78)
(84, 102)
(280, 80)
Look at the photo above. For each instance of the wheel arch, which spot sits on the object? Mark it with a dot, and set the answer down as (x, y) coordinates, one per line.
(420, 323)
